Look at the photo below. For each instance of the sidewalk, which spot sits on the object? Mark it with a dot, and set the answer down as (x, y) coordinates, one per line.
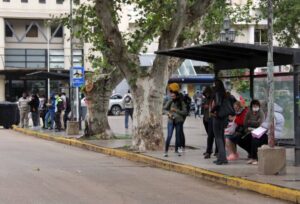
(196, 137)
(193, 157)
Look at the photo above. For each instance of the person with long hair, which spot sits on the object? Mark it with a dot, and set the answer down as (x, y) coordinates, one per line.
(207, 121)
(219, 122)
(176, 113)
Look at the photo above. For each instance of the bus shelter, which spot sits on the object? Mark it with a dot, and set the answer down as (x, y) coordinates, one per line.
(231, 56)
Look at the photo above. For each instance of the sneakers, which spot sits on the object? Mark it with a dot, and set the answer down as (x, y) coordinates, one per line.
(252, 161)
(166, 154)
(233, 157)
(206, 155)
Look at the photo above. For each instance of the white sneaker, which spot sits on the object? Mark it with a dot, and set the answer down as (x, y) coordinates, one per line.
(166, 154)
(180, 150)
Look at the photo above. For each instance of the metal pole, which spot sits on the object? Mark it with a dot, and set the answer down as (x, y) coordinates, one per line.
(48, 59)
(71, 56)
(296, 115)
(270, 79)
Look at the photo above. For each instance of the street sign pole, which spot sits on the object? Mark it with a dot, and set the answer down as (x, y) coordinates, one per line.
(77, 104)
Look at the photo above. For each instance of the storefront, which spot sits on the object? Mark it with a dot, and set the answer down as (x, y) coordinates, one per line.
(19, 81)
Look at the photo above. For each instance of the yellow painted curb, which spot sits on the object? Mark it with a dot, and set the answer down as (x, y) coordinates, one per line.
(273, 191)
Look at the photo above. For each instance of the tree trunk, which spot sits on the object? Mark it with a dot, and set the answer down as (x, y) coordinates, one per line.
(98, 94)
(147, 124)
(148, 106)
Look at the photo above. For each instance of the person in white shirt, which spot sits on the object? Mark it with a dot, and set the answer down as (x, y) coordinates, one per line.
(24, 109)
(128, 105)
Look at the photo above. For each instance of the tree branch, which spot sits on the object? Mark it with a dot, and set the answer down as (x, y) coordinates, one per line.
(117, 54)
(198, 9)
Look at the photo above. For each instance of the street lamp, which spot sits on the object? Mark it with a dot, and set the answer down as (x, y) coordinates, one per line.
(227, 34)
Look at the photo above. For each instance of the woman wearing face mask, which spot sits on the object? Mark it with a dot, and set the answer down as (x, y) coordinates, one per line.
(176, 113)
(263, 140)
(254, 118)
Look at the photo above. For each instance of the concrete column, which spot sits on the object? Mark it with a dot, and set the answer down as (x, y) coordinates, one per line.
(251, 30)
(2, 88)
(67, 48)
(2, 43)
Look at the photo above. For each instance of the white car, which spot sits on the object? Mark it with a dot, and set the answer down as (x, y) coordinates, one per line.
(116, 104)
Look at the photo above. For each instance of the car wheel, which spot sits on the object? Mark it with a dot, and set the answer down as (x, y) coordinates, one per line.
(115, 110)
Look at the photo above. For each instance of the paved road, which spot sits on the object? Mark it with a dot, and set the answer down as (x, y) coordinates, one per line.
(38, 171)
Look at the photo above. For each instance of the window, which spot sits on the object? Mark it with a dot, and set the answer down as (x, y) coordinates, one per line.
(59, 32)
(33, 32)
(42, 1)
(6, 0)
(8, 31)
(25, 58)
(59, 1)
(57, 60)
(261, 36)
(24, 1)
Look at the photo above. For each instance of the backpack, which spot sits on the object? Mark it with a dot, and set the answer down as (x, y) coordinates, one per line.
(127, 99)
(60, 106)
(187, 101)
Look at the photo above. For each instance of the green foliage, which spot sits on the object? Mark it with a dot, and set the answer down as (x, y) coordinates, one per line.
(212, 23)
(286, 20)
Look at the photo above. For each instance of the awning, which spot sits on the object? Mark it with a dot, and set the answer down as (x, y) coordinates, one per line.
(205, 79)
(226, 55)
(146, 60)
(49, 75)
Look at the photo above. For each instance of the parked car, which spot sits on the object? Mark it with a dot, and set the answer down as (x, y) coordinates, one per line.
(116, 104)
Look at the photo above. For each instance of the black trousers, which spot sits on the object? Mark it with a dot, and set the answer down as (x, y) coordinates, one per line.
(210, 136)
(182, 136)
(256, 143)
(218, 128)
(57, 120)
(245, 143)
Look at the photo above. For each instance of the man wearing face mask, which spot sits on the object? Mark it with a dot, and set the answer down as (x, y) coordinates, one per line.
(254, 118)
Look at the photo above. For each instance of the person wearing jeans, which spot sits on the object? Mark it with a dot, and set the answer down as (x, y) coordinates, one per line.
(177, 112)
(178, 128)
(51, 112)
(128, 105)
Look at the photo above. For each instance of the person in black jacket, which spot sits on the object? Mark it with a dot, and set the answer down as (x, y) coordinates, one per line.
(34, 109)
(219, 122)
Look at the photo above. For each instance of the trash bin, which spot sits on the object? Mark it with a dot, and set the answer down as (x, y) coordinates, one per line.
(9, 114)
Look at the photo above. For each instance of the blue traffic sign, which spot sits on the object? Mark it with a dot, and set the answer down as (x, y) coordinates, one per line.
(77, 76)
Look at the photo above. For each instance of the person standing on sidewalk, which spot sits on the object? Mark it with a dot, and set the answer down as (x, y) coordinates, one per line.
(59, 106)
(43, 108)
(34, 109)
(128, 105)
(187, 101)
(219, 97)
(176, 113)
(51, 112)
(24, 110)
(62, 114)
(207, 121)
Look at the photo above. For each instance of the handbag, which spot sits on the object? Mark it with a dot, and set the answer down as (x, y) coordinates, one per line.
(225, 109)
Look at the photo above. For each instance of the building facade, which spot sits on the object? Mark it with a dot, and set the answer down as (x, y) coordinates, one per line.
(29, 43)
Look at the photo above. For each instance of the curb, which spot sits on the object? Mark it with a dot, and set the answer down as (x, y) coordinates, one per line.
(273, 191)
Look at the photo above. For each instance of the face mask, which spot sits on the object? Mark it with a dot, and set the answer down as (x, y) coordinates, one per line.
(238, 112)
(255, 109)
